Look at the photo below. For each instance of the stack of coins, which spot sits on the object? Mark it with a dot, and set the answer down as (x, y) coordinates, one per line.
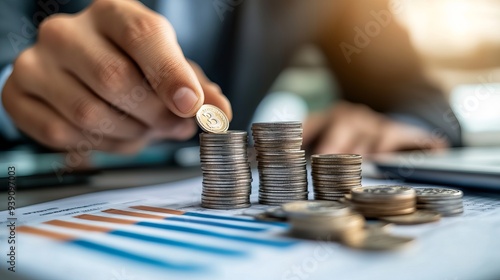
(227, 177)
(281, 162)
(335, 175)
(447, 202)
(380, 201)
(334, 221)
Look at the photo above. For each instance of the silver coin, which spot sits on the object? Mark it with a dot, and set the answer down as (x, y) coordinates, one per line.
(445, 202)
(281, 196)
(309, 209)
(286, 124)
(225, 199)
(227, 182)
(229, 192)
(282, 160)
(342, 158)
(228, 189)
(383, 192)
(439, 208)
(225, 207)
(302, 181)
(438, 193)
(222, 150)
(225, 134)
(299, 153)
(450, 213)
(227, 185)
(283, 190)
(222, 166)
(218, 162)
(228, 176)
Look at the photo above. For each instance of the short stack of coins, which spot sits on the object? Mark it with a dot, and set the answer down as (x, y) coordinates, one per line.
(447, 202)
(281, 162)
(334, 175)
(380, 201)
(227, 177)
(322, 219)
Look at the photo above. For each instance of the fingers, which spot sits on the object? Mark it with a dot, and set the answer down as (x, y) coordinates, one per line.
(108, 72)
(52, 130)
(76, 103)
(213, 93)
(351, 128)
(314, 127)
(399, 137)
(111, 75)
(359, 130)
(151, 42)
(338, 138)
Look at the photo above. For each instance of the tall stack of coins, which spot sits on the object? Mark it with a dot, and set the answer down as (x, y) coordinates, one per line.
(227, 177)
(447, 202)
(380, 201)
(335, 175)
(281, 162)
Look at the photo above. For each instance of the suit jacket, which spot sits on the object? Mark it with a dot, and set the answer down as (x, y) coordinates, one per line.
(369, 53)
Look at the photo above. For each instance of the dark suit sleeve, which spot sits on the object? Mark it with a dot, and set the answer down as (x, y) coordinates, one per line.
(376, 65)
(17, 32)
(17, 28)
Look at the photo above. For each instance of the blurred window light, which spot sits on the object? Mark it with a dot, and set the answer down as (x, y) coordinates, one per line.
(477, 109)
(452, 27)
(280, 107)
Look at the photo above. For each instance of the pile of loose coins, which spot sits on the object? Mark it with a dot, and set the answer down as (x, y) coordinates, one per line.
(334, 221)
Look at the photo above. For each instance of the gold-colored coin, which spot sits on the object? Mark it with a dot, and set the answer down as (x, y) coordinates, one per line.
(417, 217)
(212, 119)
(376, 241)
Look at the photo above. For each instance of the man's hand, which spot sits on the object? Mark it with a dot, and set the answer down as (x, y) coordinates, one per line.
(114, 70)
(353, 128)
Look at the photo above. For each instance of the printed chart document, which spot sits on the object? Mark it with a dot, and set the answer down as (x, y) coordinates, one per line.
(160, 232)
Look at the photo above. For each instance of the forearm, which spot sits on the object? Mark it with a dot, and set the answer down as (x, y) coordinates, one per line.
(384, 72)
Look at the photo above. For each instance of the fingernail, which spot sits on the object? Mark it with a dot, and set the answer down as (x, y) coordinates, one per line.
(185, 99)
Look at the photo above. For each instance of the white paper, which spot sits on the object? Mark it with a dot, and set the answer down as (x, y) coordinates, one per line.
(464, 247)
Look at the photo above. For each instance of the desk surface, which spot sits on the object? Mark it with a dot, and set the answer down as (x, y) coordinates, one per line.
(106, 180)
(463, 247)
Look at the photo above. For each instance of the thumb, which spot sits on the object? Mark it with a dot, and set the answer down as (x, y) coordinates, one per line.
(182, 92)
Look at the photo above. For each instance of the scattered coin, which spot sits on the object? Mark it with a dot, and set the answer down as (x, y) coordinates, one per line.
(376, 241)
(212, 119)
(281, 162)
(417, 217)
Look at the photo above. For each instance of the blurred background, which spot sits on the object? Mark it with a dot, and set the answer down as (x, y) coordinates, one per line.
(458, 42)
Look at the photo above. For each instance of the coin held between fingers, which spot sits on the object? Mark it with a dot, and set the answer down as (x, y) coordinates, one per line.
(212, 119)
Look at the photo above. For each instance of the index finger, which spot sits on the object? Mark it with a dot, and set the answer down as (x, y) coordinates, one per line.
(150, 41)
